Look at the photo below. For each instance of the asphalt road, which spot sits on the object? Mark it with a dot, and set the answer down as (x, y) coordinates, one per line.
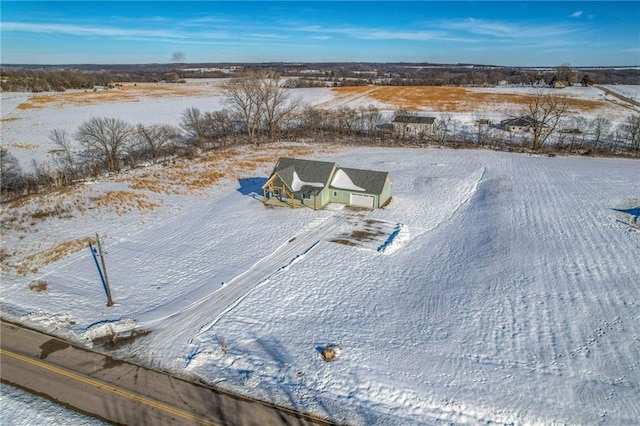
(124, 393)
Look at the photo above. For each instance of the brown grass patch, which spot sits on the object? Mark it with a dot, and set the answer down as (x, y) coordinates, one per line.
(8, 119)
(124, 201)
(447, 99)
(38, 286)
(54, 211)
(23, 146)
(185, 176)
(30, 263)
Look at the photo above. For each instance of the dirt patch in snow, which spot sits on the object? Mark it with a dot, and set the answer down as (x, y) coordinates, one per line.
(369, 234)
(114, 340)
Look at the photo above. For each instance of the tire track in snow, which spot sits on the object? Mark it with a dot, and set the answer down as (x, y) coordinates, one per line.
(201, 315)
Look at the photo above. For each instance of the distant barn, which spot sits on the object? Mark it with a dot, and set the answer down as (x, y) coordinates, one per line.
(415, 124)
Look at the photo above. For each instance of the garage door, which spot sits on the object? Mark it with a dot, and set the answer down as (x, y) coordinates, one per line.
(361, 200)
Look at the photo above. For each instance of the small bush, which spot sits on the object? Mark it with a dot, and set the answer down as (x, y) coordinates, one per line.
(329, 352)
(38, 286)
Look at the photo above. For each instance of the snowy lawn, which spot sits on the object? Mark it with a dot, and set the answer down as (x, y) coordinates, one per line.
(20, 408)
(510, 291)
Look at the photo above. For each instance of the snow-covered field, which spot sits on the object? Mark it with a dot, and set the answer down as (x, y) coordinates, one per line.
(509, 293)
(631, 92)
(27, 120)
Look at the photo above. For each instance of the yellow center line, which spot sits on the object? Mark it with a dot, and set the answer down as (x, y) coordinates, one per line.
(110, 388)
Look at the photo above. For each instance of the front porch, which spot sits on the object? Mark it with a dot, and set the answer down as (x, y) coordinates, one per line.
(291, 202)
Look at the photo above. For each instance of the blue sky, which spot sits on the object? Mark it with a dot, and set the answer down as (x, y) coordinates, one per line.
(501, 33)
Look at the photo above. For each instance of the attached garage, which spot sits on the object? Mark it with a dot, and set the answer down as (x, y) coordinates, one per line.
(362, 200)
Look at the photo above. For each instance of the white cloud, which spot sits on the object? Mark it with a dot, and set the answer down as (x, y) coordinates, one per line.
(507, 30)
(123, 33)
(576, 14)
(79, 30)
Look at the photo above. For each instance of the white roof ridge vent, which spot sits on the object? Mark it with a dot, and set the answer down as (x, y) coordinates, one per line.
(342, 181)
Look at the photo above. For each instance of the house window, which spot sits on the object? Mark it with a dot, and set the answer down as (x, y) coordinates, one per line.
(276, 192)
(306, 196)
(335, 194)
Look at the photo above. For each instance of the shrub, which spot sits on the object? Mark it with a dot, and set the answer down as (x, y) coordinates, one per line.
(38, 286)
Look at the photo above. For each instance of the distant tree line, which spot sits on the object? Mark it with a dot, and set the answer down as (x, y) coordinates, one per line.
(59, 78)
(258, 110)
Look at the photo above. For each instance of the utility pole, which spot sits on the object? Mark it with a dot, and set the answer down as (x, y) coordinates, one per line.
(102, 271)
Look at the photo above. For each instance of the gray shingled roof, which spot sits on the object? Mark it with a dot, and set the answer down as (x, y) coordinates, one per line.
(307, 170)
(320, 171)
(518, 121)
(414, 119)
(372, 181)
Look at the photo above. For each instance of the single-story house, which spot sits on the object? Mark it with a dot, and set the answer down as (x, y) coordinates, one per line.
(297, 182)
(415, 124)
(518, 125)
(521, 124)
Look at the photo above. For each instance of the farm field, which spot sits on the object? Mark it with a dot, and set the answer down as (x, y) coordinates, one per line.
(27, 119)
(509, 295)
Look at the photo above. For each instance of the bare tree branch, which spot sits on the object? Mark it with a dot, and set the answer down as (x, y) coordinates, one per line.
(107, 137)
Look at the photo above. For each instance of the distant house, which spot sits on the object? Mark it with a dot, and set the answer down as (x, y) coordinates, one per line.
(521, 124)
(296, 182)
(414, 124)
(558, 84)
(517, 125)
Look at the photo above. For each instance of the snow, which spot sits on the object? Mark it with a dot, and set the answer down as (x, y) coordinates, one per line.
(20, 408)
(495, 288)
(509, 293)
(342, 181)
(297, 183)
(25, 131)
(630, 91)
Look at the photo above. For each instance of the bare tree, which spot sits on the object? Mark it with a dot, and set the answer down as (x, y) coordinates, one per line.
(348, 121)
(245, 99)
(154, 138)
(220, 125)
(566, 72)
(482, 127)
(11, 176)
(312, 119)
(631, 132)
(65, 161)
(544, 111)
(194, 126)
(371, 116)
(108, 138)
(444, 126)
(260, 102)
(277, 104)
(600, 128)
